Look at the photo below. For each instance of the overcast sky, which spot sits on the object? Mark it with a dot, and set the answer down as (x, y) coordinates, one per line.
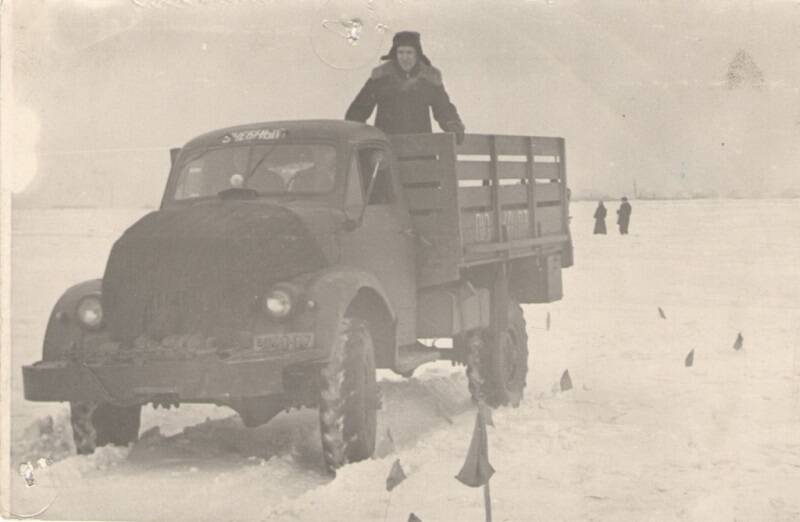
(680, 97)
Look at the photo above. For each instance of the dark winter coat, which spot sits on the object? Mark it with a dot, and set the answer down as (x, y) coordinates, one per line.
(624, 217)
(404, 100)
(600, 219)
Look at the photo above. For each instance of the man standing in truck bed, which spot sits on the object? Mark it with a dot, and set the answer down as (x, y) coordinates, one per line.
(405, 89)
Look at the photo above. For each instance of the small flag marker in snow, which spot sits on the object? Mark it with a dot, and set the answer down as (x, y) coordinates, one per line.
(414, 518)
(661, 313)
(477, 470)
(396, 476)
(739, 342)
(566, 381)
(689, 361)
(547, 322)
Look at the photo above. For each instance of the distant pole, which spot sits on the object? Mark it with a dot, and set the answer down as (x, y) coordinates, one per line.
(635, 189)
(487, 501)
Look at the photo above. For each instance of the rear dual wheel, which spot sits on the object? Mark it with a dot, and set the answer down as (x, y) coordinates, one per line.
(497, 363)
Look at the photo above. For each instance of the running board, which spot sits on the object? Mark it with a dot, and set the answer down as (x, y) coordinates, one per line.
(410, 357)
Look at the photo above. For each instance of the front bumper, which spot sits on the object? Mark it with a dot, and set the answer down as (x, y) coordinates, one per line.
(207, 379)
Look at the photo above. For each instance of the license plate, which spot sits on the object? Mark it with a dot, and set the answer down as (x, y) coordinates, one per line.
(283, 342)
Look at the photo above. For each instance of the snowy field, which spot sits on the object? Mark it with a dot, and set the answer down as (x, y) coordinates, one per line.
(640, 437)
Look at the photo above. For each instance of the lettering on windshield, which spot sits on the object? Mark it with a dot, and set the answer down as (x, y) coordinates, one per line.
(255, 134)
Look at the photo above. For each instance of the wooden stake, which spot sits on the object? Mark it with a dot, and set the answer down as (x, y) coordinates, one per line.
(487, 502)
(386, 512)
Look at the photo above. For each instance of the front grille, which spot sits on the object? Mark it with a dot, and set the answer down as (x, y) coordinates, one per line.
(202, 269)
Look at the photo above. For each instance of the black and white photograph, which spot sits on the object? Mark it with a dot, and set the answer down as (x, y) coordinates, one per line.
(400, 260)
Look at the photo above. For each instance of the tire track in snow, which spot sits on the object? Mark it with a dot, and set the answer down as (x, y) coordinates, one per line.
(216, 461)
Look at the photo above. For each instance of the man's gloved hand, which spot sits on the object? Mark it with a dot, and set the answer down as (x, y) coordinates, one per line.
(458, 129)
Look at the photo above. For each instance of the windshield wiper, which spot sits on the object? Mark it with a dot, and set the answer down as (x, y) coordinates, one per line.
(259, 162)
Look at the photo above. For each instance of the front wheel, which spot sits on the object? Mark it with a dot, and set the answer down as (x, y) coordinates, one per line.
(497, 365)
(348, 396)
(98, 424)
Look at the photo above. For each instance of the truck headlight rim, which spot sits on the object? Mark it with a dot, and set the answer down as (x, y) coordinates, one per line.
(279, 303)
(89, 312)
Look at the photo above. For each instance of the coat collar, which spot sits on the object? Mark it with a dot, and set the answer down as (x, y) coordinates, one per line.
(414, 72)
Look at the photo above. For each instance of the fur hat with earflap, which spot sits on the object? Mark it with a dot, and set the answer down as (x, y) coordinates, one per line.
(406, 39)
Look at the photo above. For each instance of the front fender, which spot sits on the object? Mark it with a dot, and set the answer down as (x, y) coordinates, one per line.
(63, 331)
(334, 291)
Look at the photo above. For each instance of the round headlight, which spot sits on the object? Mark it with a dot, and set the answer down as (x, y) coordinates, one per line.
(278, 303)
(90, 312)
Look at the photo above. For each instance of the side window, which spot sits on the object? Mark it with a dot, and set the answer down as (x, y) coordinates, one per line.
(355, 193)
(375, 161)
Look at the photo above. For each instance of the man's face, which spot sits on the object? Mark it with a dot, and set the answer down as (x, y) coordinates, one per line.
(406, 57)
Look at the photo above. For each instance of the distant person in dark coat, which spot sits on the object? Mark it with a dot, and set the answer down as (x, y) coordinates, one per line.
(624, 216)
(405, 89)
(600, 219)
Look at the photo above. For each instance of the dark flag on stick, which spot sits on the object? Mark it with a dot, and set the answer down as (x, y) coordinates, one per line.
(661, 313)
(477, 471)
(396, 476)
(739, 342)
(689, 361)
(566, 381)
(414, 518)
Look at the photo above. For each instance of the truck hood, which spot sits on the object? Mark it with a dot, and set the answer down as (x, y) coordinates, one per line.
(201, 268)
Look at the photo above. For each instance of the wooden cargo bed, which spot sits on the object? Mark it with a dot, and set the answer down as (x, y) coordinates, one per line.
(492, 198)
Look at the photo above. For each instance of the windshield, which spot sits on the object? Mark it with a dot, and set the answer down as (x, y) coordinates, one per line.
(269, 169)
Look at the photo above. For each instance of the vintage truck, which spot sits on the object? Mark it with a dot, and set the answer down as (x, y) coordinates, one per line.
(289, 260)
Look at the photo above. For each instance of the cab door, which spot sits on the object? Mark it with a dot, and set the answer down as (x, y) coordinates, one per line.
(383, 244)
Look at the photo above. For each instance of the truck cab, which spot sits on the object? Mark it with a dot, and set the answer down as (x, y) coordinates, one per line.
(342, 180)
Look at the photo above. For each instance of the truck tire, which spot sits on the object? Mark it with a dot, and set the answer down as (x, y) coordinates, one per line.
(98, 424)
(497, 370)
(348, 397)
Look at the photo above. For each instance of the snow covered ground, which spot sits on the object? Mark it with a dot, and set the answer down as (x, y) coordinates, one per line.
(640, 437)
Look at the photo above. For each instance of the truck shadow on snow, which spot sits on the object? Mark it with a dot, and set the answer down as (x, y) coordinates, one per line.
(411, 408)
